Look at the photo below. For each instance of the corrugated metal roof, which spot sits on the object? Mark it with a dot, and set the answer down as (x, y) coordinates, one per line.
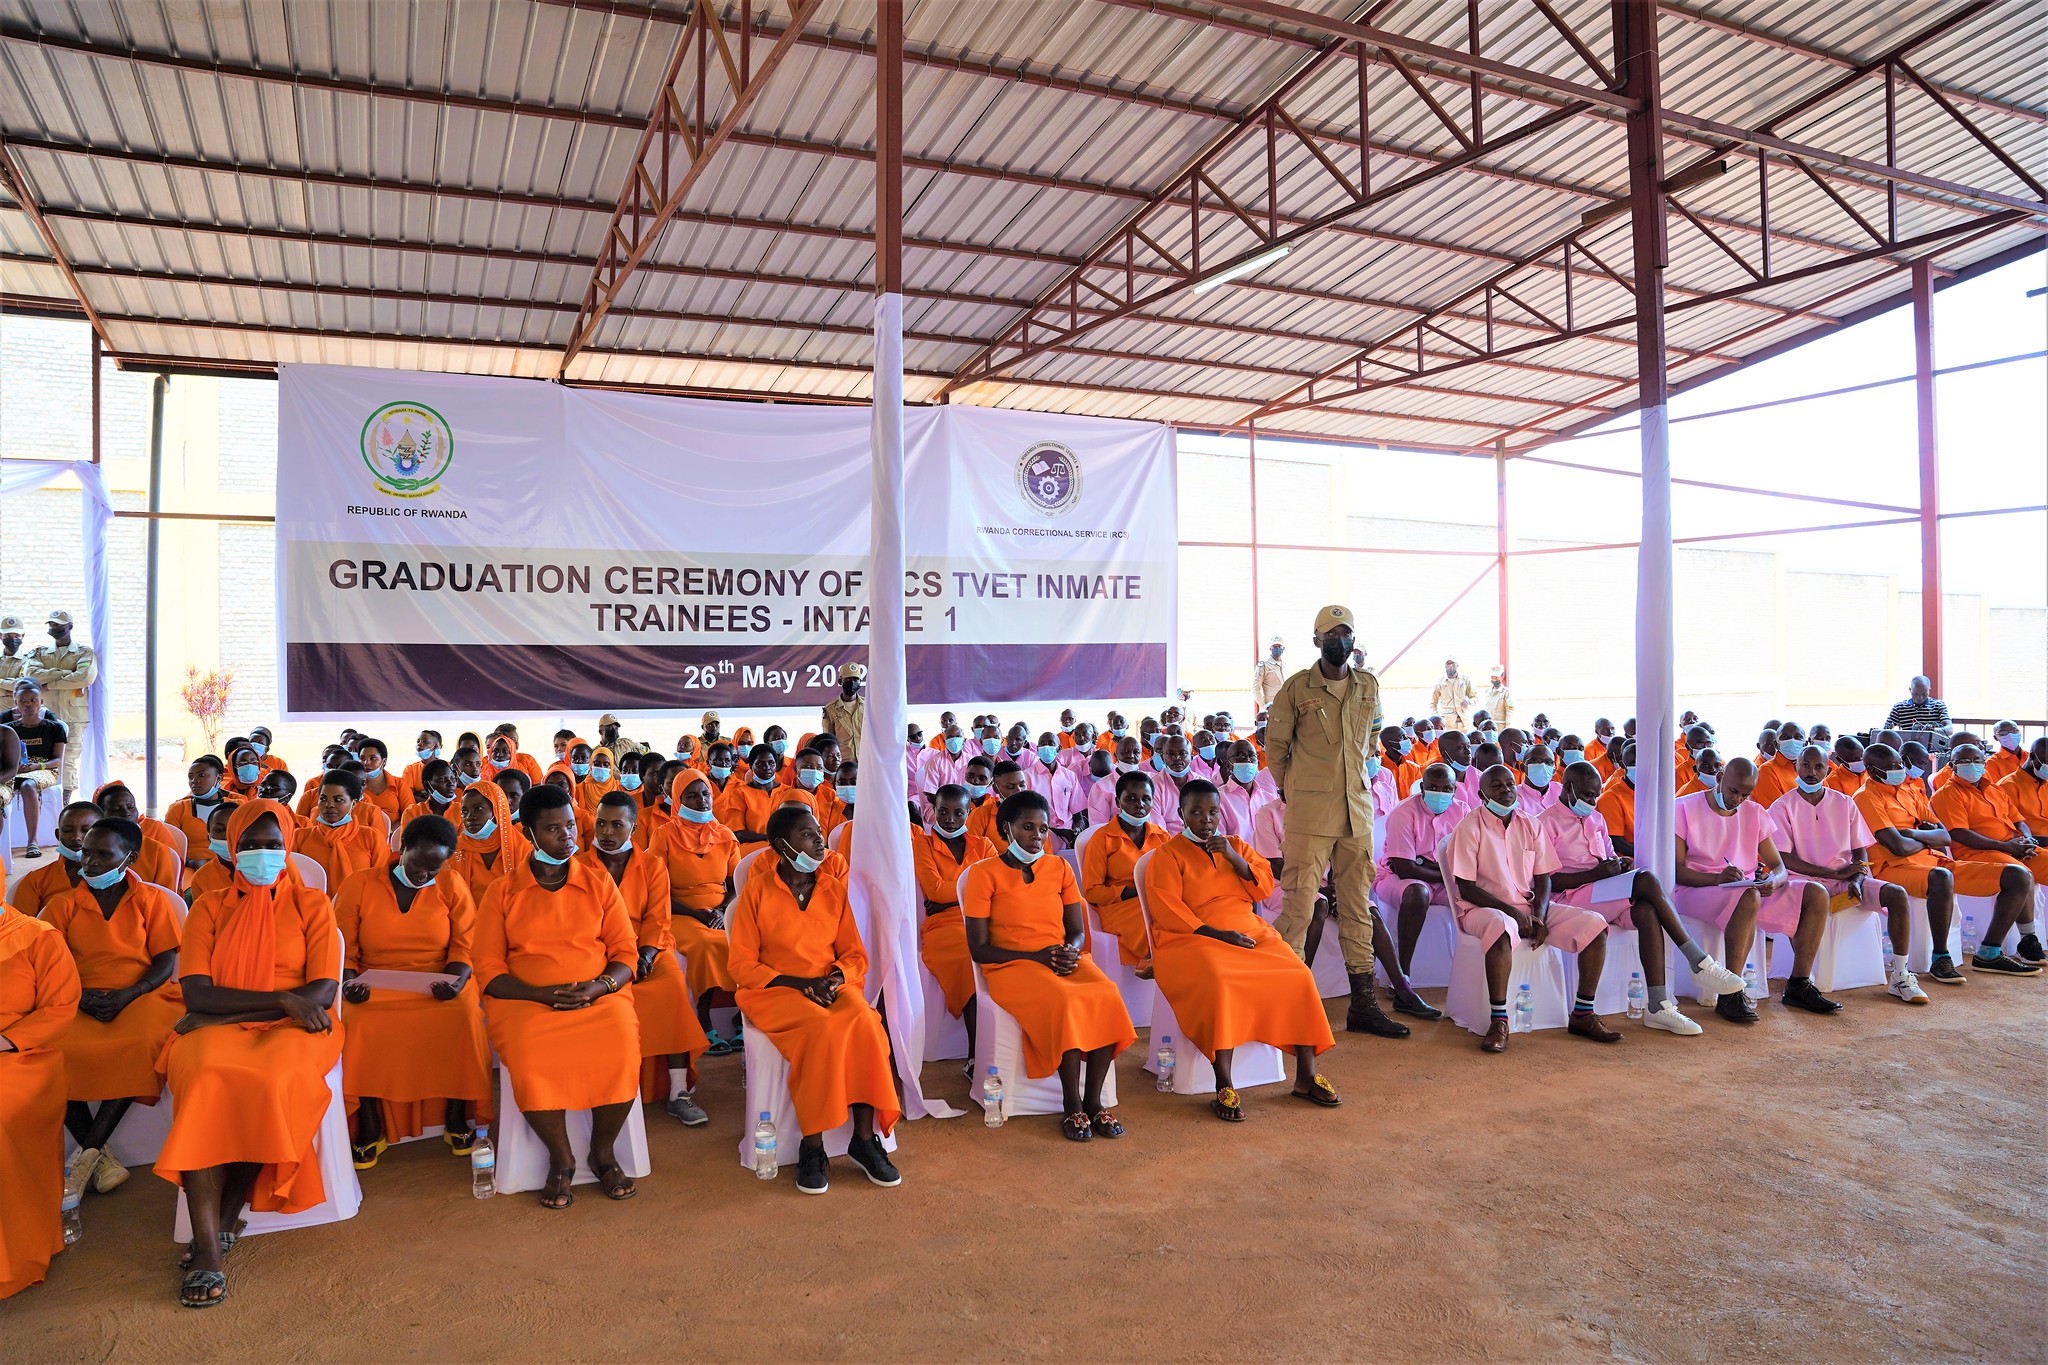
(429, 184)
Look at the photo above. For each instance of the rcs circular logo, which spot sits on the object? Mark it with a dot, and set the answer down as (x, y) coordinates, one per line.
(1049, 477)
(407, 448)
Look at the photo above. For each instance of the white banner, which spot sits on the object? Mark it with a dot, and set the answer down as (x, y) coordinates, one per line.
(462, 543)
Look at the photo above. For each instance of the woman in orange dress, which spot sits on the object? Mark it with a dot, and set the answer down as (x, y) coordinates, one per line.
(669, 1032)
(641, 777)
(188, 813)
(219, 870)
(490, 845)
(347, 834)
(701, 852)
(799, 962)
(437, 780)
(160, 861)
(1230, 979)
(382, 787)
(38, 998)
(123, 934)
(408, 1049)
(944, 852)
(260, 964)
(1028, 932)
(1107, 868)
(554, 949)
(562, 776)
(60, 875)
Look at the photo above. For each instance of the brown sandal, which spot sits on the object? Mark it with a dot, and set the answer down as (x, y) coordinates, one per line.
(559, 1192)
(616, 1184)
(1075, 1128)
(1106, 1124)
(1226, 1107)
(1321, 1092)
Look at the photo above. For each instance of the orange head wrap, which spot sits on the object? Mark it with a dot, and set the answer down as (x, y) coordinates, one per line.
(690, 836)
(245, 940)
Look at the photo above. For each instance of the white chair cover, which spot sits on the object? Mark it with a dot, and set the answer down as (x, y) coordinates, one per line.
(1714, 944)
(1193, 1074)
(768, 1090)
(1851, 952)
(523, 1157)
(1542, 968)
(1624, 959)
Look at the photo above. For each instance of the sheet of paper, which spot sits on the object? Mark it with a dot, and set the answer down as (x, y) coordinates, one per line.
(419, 983)
(1619, 887)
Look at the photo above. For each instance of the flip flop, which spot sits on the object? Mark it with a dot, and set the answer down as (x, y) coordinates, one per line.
(566, 1195)
(1076, 1128)
(615, 1183)
(462, 1144)
(227, 1244)
(194, 1292)
(1106, 1124)
(1226, 1107)
(365, 1154)
(1320, 1092)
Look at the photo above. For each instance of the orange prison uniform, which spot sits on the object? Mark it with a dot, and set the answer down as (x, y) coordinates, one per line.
(406, 1048)
(2002, 762)
(1596, 754)
(1406, 774)
(559, 1059)
(160, 865)
(1691, 785)
(649, 820)
(699, 864)
(942, 933)
(981, 820)
(451, 812)
(744, 807)
(181, 817)
(215, 876)
(117, 1060)
(838, 1057)
(1840, 779)
(505, 842)
(1774, 779)
(38, 997)
(343, 850)
(1223, 995)
(44, 886)
(1108, 865)
(2029, 798)
(256, 1092)
(1080, 1011)
(1617, 806)
(393, 800)
(1981, 807)
(830, 809)
(1902, 807)
(661, 1002)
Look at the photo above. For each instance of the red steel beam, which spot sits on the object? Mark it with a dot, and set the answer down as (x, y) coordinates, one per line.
(1930, 476)
(652, 192)
(22, 192)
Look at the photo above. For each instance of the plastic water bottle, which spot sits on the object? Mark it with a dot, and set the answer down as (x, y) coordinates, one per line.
(1165, 1080)
(1971, 941)
(483, 1164)
(992, 1099)
(1751, 987)
(764, 1148)
(1638, 997)
(1525, 1010)
(73, 1230)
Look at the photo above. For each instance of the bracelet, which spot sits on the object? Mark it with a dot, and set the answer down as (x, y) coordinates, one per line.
(610, 983)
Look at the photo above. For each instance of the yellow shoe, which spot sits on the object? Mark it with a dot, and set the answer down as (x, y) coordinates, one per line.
(366, 1154)
(109, 1175)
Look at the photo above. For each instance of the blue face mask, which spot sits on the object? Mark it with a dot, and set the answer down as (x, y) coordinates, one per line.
(1459, 768)
(743, 749)
(682, 755)
(629, 781)
(1630, 773)
(1158, 764)
(209, 797)
(803, 862)
(1915, 772)
(1117, 730)
(989, 747)
(1172, 771)
(1134, 821)
(809, 778)
(337, 824)
(1790, 749)
(719, 774)
(1855, 767)
(848, 792)
(1582, 809)
(219, 847)
(1810, 787)
(1372, 767)
(779, 746)
(1208, 753)
(1570, 756)
(1502, 808)
(1894, 777)
(761, 781)
(246, 773)
(428, 755)
(1404, 748)
(490, 828)
(260, 866)
(550, 859)
(695, 816)
(100, 881)
(398, 871)
(1245, 772)
(261, 749)
(1714, 795)
(1541, 773)
(1438, 802)
(1023, 855)
(976, 790)
(464, 779)
(71, 855)
(955, 743)
(580, 769)
(1970, 772)
(1048, 753)
(601, 774)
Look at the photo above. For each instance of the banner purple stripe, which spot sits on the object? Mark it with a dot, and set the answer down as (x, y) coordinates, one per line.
(365, 678)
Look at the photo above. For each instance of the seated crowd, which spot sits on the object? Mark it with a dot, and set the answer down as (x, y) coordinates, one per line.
(581, 921)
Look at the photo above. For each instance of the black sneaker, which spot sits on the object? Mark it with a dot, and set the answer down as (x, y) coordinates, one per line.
(873, 1160)
(2030, 949)
(1735, 1008)
(2005, 964)
(1804, 995)
(1944, 971)
(812, 1177)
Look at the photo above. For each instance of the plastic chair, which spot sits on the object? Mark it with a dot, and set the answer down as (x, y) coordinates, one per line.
(179, 842)
(741, 871)
(1107, 950)
(310, 872)
(1193, 1074)
(768, 1090)
(945, 1037)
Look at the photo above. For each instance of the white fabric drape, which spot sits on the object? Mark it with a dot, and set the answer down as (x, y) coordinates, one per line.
(1655, 684)
(18, 477)
(884, 880)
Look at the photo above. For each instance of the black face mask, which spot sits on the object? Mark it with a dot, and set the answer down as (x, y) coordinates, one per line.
(1335, 652)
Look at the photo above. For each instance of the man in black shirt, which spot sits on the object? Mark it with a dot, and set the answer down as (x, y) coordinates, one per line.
(43, 737)
(1920, 711)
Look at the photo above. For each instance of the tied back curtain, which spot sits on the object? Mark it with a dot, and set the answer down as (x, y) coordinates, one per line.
(21, 477)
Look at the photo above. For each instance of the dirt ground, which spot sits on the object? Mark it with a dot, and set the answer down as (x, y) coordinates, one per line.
(1866, 1187)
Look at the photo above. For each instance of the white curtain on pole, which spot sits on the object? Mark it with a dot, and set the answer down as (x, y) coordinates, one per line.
(884, 880)
(1656, 760)
(19, 477)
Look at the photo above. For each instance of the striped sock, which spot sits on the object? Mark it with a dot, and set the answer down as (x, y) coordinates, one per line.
(1500, 1010)
(1582, 1004)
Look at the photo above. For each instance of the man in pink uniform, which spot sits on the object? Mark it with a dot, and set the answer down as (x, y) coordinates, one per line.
(1499, 865)
(1591, 876)
(1245, 788)
(1730, 876)
(1409, 880)
(945, 766)
(1102, 796)
(1074, 757)
(1060, 788)
(1827, 839)
(1539, 788)
(1173, 768)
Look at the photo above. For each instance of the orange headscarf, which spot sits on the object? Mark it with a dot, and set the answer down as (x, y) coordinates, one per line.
(501, 811)
(17, 931)
(245, 942)
(690, 836)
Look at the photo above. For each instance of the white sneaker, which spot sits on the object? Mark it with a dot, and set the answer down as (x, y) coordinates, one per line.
(1714, 977)
(1906, 986)
(1667, 1017)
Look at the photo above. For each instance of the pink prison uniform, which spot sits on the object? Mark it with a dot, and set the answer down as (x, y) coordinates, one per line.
(1506, 859)
(1533, 803)
(1059, 788)
(1580, 844)
(1268, 836)
(1413, 833)
(1826, 835)
(1241, 806)
(1714, 841)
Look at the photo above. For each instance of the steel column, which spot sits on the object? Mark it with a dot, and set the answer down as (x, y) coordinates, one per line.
(96, 354)
(152, 589)
(1500, 539)
(1930, 475)
(1636, 59)
(1258, 640)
